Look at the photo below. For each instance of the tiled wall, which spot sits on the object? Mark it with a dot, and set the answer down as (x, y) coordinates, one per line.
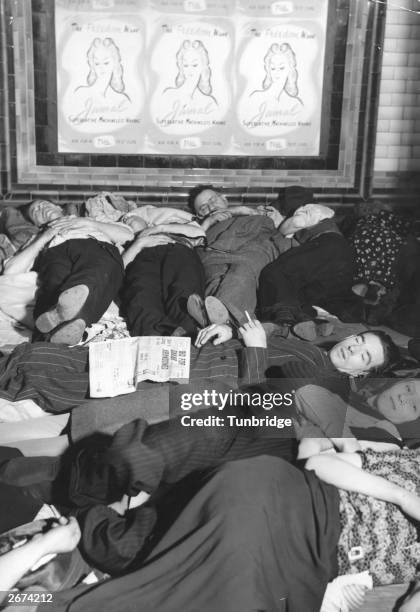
(397, 155)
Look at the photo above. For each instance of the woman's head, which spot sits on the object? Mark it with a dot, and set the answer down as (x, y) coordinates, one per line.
(280, 66)
(368, 352)
(399, 403)
(193, 64)
(104, 61)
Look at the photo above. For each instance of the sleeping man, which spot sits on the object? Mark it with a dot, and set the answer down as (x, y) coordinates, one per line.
(79, 270)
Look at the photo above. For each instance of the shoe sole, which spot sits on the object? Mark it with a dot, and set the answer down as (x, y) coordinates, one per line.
(196, 310)
(310, 331)
(70, 333)
(305, 331)
(69, 304)
(216, 310)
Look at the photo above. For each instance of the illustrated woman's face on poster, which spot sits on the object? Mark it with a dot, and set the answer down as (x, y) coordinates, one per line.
(191, 65)
(279, 69)
(103, 63)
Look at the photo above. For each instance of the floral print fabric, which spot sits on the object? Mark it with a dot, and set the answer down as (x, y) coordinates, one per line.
(389, 541)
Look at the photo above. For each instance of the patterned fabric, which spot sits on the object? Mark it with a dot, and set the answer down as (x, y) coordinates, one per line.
(377, 240)
(388, 539)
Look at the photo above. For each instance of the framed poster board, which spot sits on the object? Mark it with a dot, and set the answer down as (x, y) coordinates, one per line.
(150, 139)
(156, 77)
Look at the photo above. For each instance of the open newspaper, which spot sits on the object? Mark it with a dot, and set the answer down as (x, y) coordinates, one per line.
(116, 366)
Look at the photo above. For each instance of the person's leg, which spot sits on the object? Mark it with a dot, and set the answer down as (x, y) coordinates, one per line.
(182, 276)
(99, 266)
(141, 295)
(278, 298)
(96, 265)
(53, 267)
(238, 291)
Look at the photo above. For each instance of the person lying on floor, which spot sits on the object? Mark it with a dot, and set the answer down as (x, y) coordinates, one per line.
(368, 352)
(390, 414)
(237, 542)
(162, 270)
(240, 242)
(79, 267)
(57, 377)
(317, 272)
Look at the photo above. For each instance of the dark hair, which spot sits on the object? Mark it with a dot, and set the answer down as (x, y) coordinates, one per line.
(392, 354)
(194, 192)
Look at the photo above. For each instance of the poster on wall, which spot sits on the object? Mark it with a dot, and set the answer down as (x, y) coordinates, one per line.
(202, 77)
(280, 71)
(190, 107)
(100, 89)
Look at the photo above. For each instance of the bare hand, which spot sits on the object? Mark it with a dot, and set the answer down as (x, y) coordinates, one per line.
(271, 212)
(147, 242)
(48, 234)
(68, 223)
(242, 210)
(216, 217)
(253, 334)
(62, 537)
(218, 333)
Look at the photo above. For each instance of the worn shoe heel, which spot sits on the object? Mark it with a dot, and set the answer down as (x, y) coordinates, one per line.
(197, 310)
(69, 333)
(216, 310)
(69, 304)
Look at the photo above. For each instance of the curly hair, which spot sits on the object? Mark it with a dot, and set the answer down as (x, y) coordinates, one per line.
(195, 192)
(287, 52)
(117, 82)
(204, 83)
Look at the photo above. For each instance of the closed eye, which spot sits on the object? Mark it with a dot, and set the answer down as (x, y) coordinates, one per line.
(367, 358)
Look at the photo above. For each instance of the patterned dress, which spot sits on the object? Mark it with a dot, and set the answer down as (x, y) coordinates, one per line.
(389, 544)
(377, 240)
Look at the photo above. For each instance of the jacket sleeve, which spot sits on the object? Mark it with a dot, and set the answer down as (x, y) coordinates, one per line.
(140, 457)
(110, 542)
(252, 365)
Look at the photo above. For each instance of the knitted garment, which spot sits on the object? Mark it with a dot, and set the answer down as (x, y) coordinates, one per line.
(391, 551)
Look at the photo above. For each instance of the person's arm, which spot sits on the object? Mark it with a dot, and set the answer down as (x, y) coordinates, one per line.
(23, 260)
(112, 542)
(241, 211)
(140, 457)
(219, 215)
(217, 333)
(253, 359)
(344, 471)
(144, 242)
(62, 537)
(117, 233)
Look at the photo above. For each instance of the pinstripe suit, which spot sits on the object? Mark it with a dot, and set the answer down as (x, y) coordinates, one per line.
(57, 376)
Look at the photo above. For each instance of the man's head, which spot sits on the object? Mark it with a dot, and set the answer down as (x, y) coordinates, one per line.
(370, 351)
(41, 212)
(136, 223)
(204, 200)
(400, 403)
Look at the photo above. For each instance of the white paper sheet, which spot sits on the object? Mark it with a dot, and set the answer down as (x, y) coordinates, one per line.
(116, 366)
